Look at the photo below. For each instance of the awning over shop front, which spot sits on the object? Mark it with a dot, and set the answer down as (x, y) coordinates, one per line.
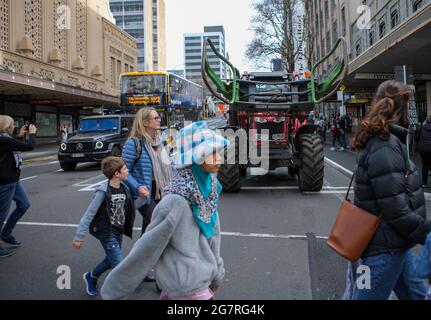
(409, 44)
(16, 86)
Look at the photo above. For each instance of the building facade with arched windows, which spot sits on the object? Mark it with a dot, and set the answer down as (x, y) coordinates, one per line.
(60, 60)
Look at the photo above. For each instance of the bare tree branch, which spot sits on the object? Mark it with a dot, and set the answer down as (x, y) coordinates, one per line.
(274, 37)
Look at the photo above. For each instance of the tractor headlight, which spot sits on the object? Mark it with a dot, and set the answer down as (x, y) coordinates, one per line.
(261, 120)
(99, 145)
(63, 147)
(278, 137)
(262, 137)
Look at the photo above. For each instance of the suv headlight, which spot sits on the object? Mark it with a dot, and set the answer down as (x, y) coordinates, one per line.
(63, 147)
(99, 145)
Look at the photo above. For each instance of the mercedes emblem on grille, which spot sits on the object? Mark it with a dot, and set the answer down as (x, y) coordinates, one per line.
(79, 146)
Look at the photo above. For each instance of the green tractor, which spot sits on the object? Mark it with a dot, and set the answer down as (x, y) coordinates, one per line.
(274, 103)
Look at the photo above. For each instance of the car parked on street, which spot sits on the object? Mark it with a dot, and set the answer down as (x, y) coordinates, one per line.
(97, 138)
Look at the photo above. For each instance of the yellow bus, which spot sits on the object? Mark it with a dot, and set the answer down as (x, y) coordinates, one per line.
(175, 98)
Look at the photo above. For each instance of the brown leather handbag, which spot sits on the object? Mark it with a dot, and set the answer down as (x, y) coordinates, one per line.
(353, 229)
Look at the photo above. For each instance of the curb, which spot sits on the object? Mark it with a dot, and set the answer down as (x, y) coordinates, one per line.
(339, 168)
(349, 174)
(39, 155)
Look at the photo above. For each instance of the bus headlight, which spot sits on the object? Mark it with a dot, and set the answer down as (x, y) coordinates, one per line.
(99, 145)
(63, 147)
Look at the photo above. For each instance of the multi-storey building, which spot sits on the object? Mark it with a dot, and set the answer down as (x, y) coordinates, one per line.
(381, 35)
(159, 35)
(328, 20)
(145, 20)
(193, 52)
(58, 60)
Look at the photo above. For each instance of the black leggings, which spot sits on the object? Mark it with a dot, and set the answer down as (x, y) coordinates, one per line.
(426, 166)
(147, 212)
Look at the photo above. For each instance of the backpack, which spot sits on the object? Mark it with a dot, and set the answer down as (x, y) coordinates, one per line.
(138, 150)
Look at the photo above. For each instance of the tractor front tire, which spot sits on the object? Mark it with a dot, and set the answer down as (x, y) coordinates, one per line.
(230, 172)
(229, 176)
(311, 173)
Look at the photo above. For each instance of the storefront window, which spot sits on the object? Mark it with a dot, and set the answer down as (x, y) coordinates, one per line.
(67, 121)
(46, 124)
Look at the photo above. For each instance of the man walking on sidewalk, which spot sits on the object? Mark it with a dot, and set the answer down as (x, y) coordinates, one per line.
(343, 135)
(336, 133)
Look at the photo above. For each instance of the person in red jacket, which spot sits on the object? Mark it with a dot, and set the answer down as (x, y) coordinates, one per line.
(11, 187)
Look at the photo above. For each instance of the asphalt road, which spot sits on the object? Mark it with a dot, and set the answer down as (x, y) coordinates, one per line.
(265, 247)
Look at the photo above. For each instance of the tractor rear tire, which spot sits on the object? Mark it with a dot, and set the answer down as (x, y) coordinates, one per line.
(311, 173)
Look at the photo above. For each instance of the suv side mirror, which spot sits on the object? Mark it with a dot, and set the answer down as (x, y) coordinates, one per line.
(124, 130)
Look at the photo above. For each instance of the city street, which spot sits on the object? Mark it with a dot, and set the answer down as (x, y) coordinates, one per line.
(264, 244)
(81, 79)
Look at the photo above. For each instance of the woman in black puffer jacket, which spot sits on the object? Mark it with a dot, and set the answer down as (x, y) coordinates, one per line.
(387, 183)
(424, 148)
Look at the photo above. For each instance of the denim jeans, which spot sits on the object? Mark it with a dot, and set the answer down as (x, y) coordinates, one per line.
(343, 140)
(112, 247)
(392, 272)
(8, 192)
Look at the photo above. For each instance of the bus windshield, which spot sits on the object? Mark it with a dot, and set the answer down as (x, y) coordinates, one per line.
(98, 125)
(146, 84)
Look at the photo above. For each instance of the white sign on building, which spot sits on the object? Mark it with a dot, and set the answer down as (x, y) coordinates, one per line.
(299, 42)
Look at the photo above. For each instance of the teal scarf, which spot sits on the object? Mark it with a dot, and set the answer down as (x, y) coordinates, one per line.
(202, 190)
(204, 181)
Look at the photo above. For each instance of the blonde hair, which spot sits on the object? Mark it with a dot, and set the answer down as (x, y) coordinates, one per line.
(139, 129)
(5, 122)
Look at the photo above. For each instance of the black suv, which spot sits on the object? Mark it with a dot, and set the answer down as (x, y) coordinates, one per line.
(97, 138)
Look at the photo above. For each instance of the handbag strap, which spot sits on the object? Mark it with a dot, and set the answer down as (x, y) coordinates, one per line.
(350, 186)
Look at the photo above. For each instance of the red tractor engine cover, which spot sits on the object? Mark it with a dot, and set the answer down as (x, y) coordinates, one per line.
(275, 122)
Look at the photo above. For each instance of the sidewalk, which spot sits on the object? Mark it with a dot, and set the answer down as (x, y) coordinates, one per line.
(41, 151)
(347, 159)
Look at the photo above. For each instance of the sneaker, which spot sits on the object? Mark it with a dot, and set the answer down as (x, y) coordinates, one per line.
(10, 241)
(332, 149)
(90, 284)
(4, 252)
(341, 149)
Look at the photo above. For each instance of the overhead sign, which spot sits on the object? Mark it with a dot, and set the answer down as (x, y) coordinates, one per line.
(355, 100)
(374, 76)
(143, 100)
(18, 98)
(388, 76)
(47, 101)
